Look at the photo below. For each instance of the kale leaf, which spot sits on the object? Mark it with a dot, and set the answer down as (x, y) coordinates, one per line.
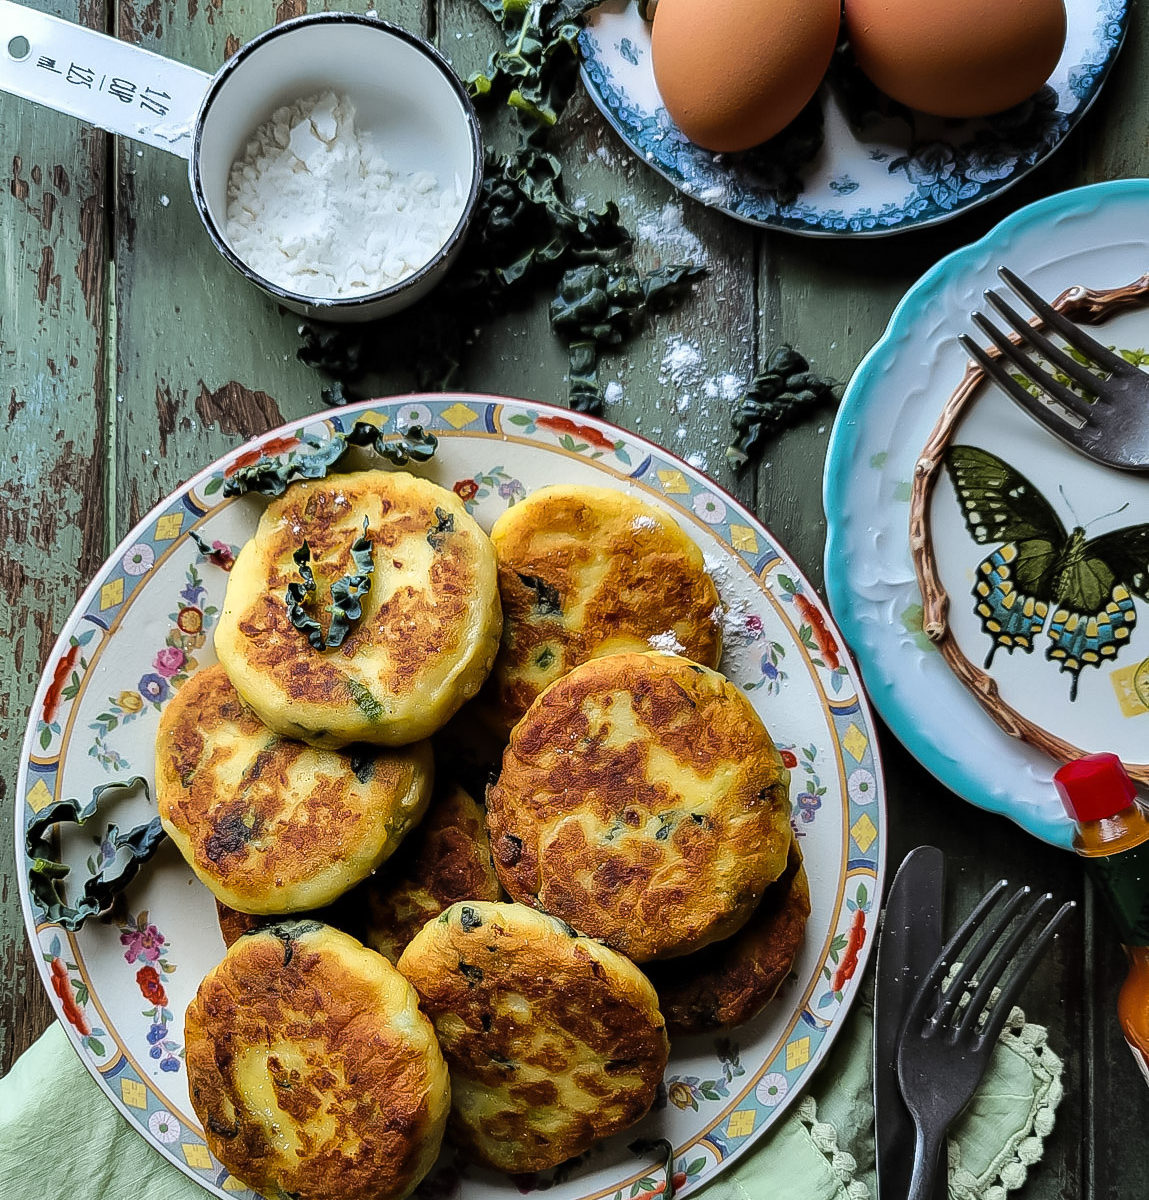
(129, 852)
(778, 396)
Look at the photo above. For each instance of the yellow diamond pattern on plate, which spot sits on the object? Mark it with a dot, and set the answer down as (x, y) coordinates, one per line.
(134, 1093)
(855, 741)
(742, 537)
(111, 594)
(863, 832)
(38, 796)
(673, 482)
(797, 1053)
(1132, 687)
(459, 415)
(377, 419)
(231, 1184)
(741, 1123)
(169, 527)
(196, 1155)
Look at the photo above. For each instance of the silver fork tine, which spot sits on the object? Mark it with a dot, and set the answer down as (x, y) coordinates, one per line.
(1052, 352)
(1073, 334)
(927, 991)
(1023, 968)
(977, 955)
(1051, 418)
(1066, 397)
(995, 968)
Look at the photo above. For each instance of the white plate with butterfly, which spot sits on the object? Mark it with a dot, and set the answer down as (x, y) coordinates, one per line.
(1089, 699)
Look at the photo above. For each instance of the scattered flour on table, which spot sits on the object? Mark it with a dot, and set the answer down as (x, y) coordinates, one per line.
(613, 392)
(314, 207)
(666, 233)
(726, 387)
(681, 363)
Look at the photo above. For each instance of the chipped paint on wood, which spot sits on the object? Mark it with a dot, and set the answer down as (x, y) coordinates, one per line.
(51, 486)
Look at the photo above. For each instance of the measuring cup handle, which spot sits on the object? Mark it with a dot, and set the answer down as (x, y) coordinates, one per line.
(99, 79)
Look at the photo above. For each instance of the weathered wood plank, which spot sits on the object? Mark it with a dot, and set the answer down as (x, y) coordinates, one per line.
(52, 362)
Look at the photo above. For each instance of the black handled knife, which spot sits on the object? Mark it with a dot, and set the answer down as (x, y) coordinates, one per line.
(910, 941)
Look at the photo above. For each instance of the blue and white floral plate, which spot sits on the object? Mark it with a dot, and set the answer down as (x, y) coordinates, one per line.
(1095, 237)
(898, 174)
(143, 627)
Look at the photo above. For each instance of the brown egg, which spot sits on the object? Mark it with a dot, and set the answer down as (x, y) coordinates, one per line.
(733, 73)
(957, 58)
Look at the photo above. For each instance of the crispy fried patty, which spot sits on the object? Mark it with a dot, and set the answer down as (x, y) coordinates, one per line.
(272, 825)
(642, 800)
(430, 625)
(585, 571)
(553, 1040)
(732, 981)
(448, 858)
(312, 1069)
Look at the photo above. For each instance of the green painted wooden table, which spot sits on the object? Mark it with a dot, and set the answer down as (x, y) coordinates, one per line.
(130, 356)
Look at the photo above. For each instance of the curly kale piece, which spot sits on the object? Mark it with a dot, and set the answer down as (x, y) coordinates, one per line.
(347, 594)
(271, 476)
(299, 593)
(334, 349)
(600, 306)
(777, 397)
(129, 852)
(534, 71)
(348, 591)
(313, 459)
(413, 444)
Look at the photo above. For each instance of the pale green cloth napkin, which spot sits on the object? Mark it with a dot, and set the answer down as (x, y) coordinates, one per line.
(60, 1138)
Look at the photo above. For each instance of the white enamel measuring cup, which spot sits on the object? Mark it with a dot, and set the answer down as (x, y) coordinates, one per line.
(402, 88)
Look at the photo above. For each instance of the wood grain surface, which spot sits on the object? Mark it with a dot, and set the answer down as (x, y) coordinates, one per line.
(132, 355)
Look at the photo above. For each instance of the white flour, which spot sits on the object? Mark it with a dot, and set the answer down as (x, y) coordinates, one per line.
(314, 207)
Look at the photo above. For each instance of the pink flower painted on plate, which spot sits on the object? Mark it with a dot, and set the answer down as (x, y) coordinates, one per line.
(146, 943)
(169, 660)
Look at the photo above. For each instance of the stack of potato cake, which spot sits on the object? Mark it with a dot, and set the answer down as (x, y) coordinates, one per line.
(424, 939)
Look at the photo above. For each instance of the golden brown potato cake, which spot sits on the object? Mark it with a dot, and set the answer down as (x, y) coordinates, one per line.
(585, 571)
(642, 800)
(272, 825)
(553, 1040)
(312, 1069)
(431, 620)
(732, 981)
(448, 858)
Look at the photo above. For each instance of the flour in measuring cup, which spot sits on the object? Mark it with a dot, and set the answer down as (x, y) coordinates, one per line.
(314, 207)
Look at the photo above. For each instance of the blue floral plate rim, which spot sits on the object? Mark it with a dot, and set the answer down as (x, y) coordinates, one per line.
(943, 177)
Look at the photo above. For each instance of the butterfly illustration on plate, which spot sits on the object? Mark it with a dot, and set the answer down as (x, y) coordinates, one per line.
(1083, 587)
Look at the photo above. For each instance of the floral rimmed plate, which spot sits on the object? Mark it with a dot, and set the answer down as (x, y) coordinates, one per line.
(144, 625)
(1095, 237)
(898, 174)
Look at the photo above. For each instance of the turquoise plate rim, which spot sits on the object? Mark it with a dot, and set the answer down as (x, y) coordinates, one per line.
(882, 689)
